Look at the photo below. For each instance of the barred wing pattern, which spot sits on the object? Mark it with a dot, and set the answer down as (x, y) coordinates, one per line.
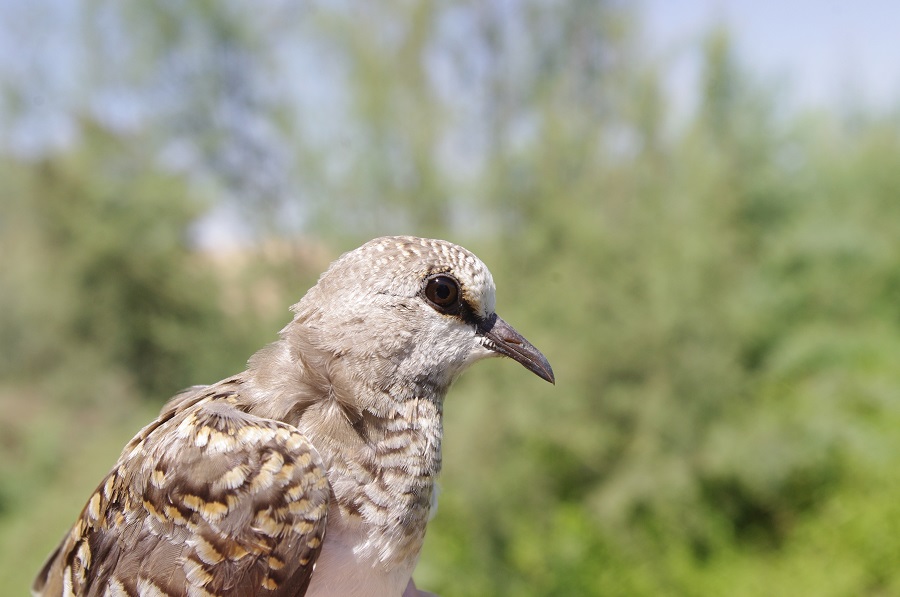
(207, 500)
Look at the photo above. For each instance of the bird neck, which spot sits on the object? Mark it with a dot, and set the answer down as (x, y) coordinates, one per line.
(293, 376)
(381, 443)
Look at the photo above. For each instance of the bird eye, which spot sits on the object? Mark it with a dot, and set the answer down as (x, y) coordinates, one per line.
(443, 292)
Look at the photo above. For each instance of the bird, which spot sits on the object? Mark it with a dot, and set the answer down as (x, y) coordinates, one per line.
(312, 472)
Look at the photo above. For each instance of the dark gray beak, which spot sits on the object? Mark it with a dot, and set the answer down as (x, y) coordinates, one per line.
(503, 339)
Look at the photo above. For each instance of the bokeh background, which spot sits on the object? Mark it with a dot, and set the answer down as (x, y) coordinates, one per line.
(693, 209)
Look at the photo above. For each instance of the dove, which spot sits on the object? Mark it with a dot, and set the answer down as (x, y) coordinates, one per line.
(312, 472)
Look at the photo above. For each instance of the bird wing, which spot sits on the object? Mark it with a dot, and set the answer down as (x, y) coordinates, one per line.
(206, 500)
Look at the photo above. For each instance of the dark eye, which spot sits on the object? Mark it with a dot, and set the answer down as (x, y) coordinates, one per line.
(443, 292)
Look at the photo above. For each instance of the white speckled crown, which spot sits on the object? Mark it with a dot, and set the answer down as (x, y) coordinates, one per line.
(391, 255)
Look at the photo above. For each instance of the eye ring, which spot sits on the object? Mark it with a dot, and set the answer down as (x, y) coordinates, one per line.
(442, 291)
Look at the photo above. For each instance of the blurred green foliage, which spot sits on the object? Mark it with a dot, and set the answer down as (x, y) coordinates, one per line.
(720, 301)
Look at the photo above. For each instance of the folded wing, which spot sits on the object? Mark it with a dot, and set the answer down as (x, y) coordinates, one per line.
(206, 500)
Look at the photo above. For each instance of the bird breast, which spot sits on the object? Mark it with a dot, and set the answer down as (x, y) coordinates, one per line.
(382, 470)
(346, 567)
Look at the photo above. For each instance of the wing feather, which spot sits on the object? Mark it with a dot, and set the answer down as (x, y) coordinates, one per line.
(206, 500)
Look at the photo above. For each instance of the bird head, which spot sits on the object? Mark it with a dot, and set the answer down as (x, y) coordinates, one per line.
(406, 309)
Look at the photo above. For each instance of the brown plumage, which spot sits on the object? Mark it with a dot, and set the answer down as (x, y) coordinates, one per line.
(312, 472)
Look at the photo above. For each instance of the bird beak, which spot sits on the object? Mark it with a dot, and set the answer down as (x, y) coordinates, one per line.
(504, 339)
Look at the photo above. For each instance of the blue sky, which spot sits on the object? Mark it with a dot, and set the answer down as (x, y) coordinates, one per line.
(823, 51)
(816, 52)
(820, 52)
